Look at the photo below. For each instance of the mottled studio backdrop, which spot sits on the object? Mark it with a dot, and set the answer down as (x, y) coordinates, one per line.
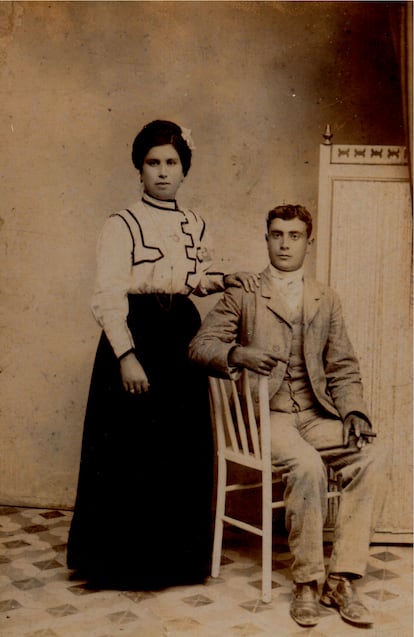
(255, 81)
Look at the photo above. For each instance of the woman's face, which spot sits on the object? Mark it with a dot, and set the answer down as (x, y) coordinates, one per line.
(162, 172)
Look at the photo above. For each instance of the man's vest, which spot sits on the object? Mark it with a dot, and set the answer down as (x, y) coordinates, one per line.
(295, 393)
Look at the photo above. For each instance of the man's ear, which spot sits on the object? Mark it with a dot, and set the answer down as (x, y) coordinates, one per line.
(310, 241)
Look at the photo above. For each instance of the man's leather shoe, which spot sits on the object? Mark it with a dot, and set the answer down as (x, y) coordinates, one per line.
(304, 607)
(340, 593)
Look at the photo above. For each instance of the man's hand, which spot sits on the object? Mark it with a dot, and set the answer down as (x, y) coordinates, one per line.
(357, 427)
(134, 378)
(255, 359)
(248, 280)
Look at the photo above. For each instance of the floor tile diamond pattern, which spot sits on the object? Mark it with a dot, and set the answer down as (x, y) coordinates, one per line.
(40, 598)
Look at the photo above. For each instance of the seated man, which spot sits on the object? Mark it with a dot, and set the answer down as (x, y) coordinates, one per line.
(292, 330)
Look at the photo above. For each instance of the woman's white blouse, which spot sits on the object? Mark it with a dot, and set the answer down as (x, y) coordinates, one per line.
(153, 247)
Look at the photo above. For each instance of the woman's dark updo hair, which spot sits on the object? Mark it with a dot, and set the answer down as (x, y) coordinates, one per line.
(160, 133)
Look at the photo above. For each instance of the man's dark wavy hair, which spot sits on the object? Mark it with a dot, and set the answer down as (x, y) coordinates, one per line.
(290, 211)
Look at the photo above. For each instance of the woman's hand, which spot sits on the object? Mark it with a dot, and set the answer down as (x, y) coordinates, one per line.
(134, 378)
(248, 280)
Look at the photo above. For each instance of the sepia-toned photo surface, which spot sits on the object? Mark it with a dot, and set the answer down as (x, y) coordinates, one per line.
(278, 103)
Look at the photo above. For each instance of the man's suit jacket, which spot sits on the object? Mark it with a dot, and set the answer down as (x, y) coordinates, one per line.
(261, 319)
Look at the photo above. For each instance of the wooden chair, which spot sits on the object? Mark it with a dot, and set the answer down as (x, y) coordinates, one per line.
(244, 440)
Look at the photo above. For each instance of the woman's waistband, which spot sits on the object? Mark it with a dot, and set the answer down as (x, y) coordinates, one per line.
(164, 301)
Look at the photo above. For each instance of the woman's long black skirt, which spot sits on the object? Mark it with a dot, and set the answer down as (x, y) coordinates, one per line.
(142, 517)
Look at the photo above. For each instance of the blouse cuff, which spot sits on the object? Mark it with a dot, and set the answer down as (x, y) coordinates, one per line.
(129, 351)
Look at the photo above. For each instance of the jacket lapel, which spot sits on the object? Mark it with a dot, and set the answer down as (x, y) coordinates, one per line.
(274, 300)
(312, 293)
(311, 298)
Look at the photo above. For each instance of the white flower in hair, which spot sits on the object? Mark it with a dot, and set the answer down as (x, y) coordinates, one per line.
(186, 135)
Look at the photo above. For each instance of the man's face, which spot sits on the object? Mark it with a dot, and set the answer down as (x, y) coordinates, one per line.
(287, 243)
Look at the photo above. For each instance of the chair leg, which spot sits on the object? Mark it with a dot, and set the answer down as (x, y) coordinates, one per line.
(267, 515)
(220, 511)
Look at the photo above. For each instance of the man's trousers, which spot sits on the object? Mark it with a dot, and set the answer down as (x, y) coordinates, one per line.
(295, 441)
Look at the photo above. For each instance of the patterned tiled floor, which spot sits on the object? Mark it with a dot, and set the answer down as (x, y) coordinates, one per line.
(38, 598)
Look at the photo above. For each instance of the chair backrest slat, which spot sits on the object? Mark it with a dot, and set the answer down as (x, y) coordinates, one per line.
(252, 422)
(234, 416)
(228, 418)
(216, 406)
(241, 428)
(265, 434)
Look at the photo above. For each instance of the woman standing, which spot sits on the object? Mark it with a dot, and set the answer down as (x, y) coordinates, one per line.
(142, 512)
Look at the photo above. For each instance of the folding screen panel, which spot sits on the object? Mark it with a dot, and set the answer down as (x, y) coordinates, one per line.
(364, 251)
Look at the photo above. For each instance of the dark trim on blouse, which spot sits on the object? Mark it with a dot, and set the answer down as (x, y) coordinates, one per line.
(161, 255)
(154, 205)
(116, 214)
